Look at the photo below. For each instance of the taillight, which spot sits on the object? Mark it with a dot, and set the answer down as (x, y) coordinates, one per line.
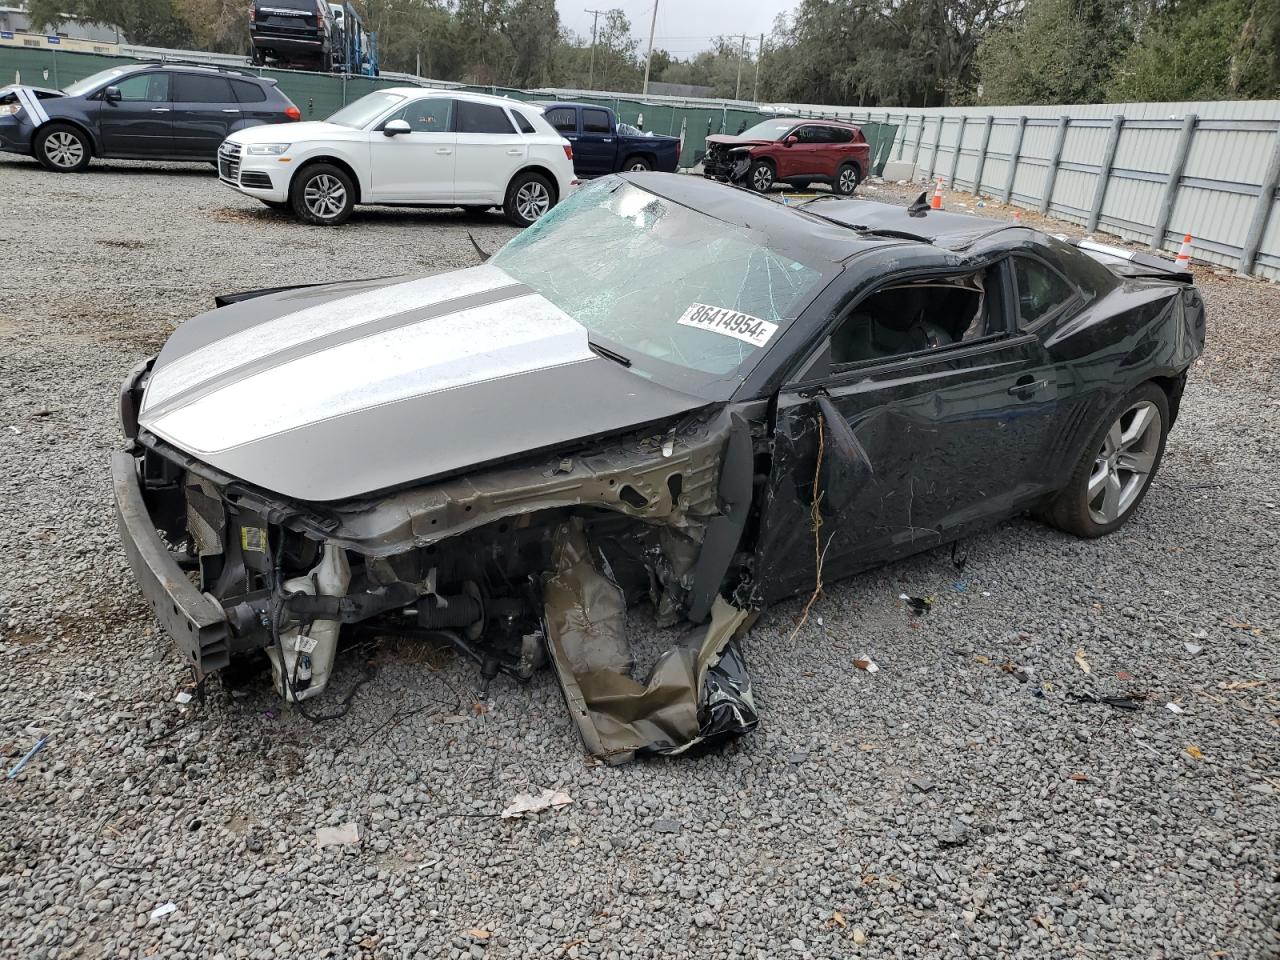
(292, 112)
(568, 151)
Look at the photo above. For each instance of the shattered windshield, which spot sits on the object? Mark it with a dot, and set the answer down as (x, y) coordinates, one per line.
(658, 280)
(768, 130)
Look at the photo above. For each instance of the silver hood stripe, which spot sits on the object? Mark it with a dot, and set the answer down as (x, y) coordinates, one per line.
(287, 334)
(469, 347)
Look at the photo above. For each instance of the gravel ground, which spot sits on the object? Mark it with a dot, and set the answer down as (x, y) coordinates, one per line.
(960, 802)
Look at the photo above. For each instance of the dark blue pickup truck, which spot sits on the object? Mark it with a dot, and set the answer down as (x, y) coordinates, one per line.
(603, 145)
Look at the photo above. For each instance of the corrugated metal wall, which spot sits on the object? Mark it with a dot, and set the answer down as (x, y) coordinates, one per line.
(1148, 172)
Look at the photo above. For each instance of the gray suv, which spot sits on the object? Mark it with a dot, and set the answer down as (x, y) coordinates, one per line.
(138, 112)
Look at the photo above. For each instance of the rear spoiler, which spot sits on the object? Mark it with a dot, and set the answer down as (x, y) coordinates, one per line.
(1132, 263)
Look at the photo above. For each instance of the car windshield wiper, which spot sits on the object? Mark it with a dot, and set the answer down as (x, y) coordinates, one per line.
(609, 354)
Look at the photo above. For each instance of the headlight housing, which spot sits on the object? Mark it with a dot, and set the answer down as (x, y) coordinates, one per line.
(9, 109)
(266, 149)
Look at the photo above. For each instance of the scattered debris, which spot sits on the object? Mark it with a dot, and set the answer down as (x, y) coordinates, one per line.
(342, 836)
(1080, 777)
(17, 767)
(983, 659)
(1176, 708)
(163, 910)
(1081, 661)
(183, 697)
(1194, 752)
(866, 663)
(924, 784)
(837, 920)
(523, 803)
(1192, 648)
(859, 936)
(666, 826)
(478, 933)
(917, 605)
(1120, 703)
(1123, 675)
(1240, 684)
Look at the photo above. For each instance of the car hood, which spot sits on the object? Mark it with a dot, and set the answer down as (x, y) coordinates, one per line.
(724, 140)
(293, 132)
(332, 392)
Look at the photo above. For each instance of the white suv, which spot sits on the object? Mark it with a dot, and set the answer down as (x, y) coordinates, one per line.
(406, 146)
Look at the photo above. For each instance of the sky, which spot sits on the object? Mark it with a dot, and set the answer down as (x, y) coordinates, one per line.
(684, 27)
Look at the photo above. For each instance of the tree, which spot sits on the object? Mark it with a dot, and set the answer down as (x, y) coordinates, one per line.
(147, 22)
(1054, 51)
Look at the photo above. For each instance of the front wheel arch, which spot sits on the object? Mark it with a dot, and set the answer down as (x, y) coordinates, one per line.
(333, 162)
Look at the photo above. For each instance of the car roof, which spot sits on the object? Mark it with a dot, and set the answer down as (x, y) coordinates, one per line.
(457, 95)
(202, 68)
(941, 228)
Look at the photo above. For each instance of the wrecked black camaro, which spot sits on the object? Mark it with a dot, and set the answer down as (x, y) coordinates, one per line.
(666, 391)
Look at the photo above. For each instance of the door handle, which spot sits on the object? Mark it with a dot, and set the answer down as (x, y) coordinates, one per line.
(443, 151)
(159, 109)
(571, 138)
(230, 109)
(1026, 386)
(607, 140)
(514, 152)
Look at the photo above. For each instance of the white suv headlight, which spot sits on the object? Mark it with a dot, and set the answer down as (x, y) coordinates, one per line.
(266, 149)
(9, 109)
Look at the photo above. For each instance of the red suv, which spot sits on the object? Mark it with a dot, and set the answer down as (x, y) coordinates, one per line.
(798, 152)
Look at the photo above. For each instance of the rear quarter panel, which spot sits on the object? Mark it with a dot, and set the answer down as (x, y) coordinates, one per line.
(1139, 331)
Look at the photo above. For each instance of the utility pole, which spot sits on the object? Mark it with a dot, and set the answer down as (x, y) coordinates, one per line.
(755, 90)
(595, 18)
(649, 59)
(742, 52)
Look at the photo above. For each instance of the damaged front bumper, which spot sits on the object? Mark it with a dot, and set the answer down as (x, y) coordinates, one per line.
(515, 567)
(726, 166)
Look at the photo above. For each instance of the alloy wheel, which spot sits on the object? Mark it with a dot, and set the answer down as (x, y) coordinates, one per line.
(638, 165)
(63, 149)
(532, 200)
(848, 180)
(1123, 466)
(325, 196)
(762, 179)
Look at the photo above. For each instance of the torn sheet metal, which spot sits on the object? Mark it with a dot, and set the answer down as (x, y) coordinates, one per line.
(694, 693)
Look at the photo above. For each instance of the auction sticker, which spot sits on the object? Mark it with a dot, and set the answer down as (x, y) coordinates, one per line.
(731, 323)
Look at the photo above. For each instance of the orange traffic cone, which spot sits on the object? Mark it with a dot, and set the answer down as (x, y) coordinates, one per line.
(935, 203)
(1184, 253)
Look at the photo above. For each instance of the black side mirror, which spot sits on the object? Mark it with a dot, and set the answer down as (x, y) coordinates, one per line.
(112, 95)
(393, 127)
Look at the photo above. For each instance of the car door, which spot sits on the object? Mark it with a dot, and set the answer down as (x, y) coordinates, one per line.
(565, 121)
(205, 111)
(596, 144)
(255, 108)
(800, 158)
(490, 151)
(921, 440)
(418, 166)
(140, 123)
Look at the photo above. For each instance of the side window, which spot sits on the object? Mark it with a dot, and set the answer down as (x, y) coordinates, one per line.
(247, 92)
(808, 135)
(434, 115)
(564, 119)
(920, 314)
(596, 121)
(1041, 290)
(839, 135)
(194, 88)
(145, 88)
(522, 122)
(482, 118)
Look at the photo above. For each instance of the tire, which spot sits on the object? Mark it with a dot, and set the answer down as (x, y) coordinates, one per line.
(636, 165)
(322, 194)
(275, 204)
(1113, 463)
(529, 196)
(847, 179)
(62, 148)
(760, 177)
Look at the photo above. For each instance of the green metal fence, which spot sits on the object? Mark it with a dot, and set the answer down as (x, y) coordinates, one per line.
(318, 95)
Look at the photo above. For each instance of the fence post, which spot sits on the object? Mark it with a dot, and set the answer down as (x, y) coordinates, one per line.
(937, 141)
(902, 144)
(955, 157)
(915, 151)
(982, 154)
(1165, 210)
(1014, 153)
(1055, 157)
(1261, 212)
(1104, 172)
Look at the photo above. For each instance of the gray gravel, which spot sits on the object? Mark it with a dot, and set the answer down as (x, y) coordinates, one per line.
(945, 806)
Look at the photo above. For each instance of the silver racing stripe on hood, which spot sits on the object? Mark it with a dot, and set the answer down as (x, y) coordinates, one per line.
(346, 318)
(440, 353)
